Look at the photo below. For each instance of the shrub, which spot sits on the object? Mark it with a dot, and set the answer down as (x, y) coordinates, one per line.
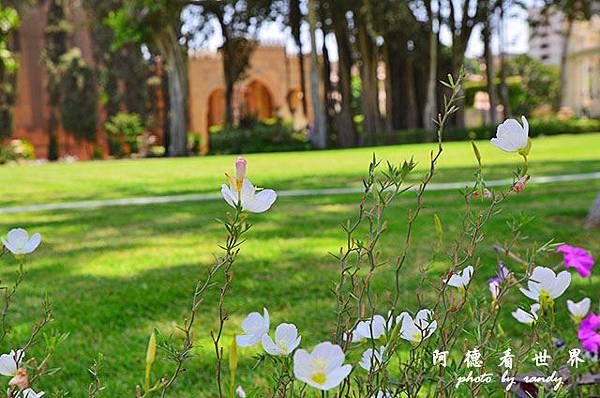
(257, 137)
(537, 127)
(123, 128)
(17, 150)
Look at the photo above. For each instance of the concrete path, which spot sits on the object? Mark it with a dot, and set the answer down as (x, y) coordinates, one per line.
(292, 193)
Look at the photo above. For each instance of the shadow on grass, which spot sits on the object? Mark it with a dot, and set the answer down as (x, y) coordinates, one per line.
(112, 273)
(114, 187)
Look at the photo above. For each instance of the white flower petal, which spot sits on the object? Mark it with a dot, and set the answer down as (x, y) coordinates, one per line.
(229, 196)
(560, 284)
(534, 295)
(336, 377)
(261, 202)
(269, 346)
(33, 243)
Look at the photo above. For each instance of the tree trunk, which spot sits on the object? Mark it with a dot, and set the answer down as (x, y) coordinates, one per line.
(302, 79)
(229, 86)
(410, 99)
(563, 62)
(327, 91)
(429, 114)
(368, 77)
(344, 120)
(489, 70)
(295, 20)
(176, 69)
(503, 88)
(593, 218)
(318, 134)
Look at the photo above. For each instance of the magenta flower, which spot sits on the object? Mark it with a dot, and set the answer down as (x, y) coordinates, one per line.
(578, 258)
(589, 333)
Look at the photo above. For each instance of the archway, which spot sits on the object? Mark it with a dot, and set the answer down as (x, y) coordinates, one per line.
(258, 101)
(294, 100)
(216, 108)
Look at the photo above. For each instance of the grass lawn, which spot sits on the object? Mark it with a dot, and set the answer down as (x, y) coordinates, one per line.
(115, 273)
(26, 185)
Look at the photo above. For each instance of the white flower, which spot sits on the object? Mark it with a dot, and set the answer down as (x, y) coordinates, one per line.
(286, 340)
(372, 359)
(372, 328)
(544, 285)
(384, 394)
(249, 198)
(239, 391)
(19, 242)
(461, 280)
(527, 317)
(512, 137)
(323, 368)
(10, 363)
(494, 287)
(419, 328)
(579, 310)
(255, 326)
(29, 393)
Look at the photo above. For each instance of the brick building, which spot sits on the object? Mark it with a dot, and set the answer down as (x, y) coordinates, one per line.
(271, 89)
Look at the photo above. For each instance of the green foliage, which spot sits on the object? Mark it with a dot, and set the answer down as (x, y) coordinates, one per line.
(16, 150)
(148, 280)
(9, 20)
(537, 127)
(56, 34)
(257, 137)
(540, 84)
(79, 99)
(123, 128)
(530, 84)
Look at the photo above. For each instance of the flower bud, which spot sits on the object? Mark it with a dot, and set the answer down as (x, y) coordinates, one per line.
(20, 379)
(240, 168)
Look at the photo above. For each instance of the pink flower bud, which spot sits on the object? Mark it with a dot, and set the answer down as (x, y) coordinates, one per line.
(487, 194)
(20, 379)
(240, 168)
(520, 184)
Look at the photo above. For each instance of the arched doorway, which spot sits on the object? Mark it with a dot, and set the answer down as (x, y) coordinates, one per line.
(258, 101)
(294, 100)
(216, 108)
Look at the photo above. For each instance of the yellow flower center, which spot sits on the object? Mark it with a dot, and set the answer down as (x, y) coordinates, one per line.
(418, 336)
(319, 377)
(545, 299)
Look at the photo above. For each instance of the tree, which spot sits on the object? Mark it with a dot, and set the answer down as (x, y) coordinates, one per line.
(572, 10)
(486, 35)
(318, 131)
(56, 32)
(369, 59)
(79, 100)
(9, 21)
(122, 72)
(295, 22)
(539, 84)
(157, 23)
(344, 119)
(464, 15)
(237, 19)
(430, 111)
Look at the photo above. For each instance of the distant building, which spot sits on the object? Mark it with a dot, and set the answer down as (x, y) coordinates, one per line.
(546, 39)
(582, 93)
(31, 111)
(271, 88)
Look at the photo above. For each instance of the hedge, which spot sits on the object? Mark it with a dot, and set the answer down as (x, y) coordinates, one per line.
(261, 137)
(536, 128)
